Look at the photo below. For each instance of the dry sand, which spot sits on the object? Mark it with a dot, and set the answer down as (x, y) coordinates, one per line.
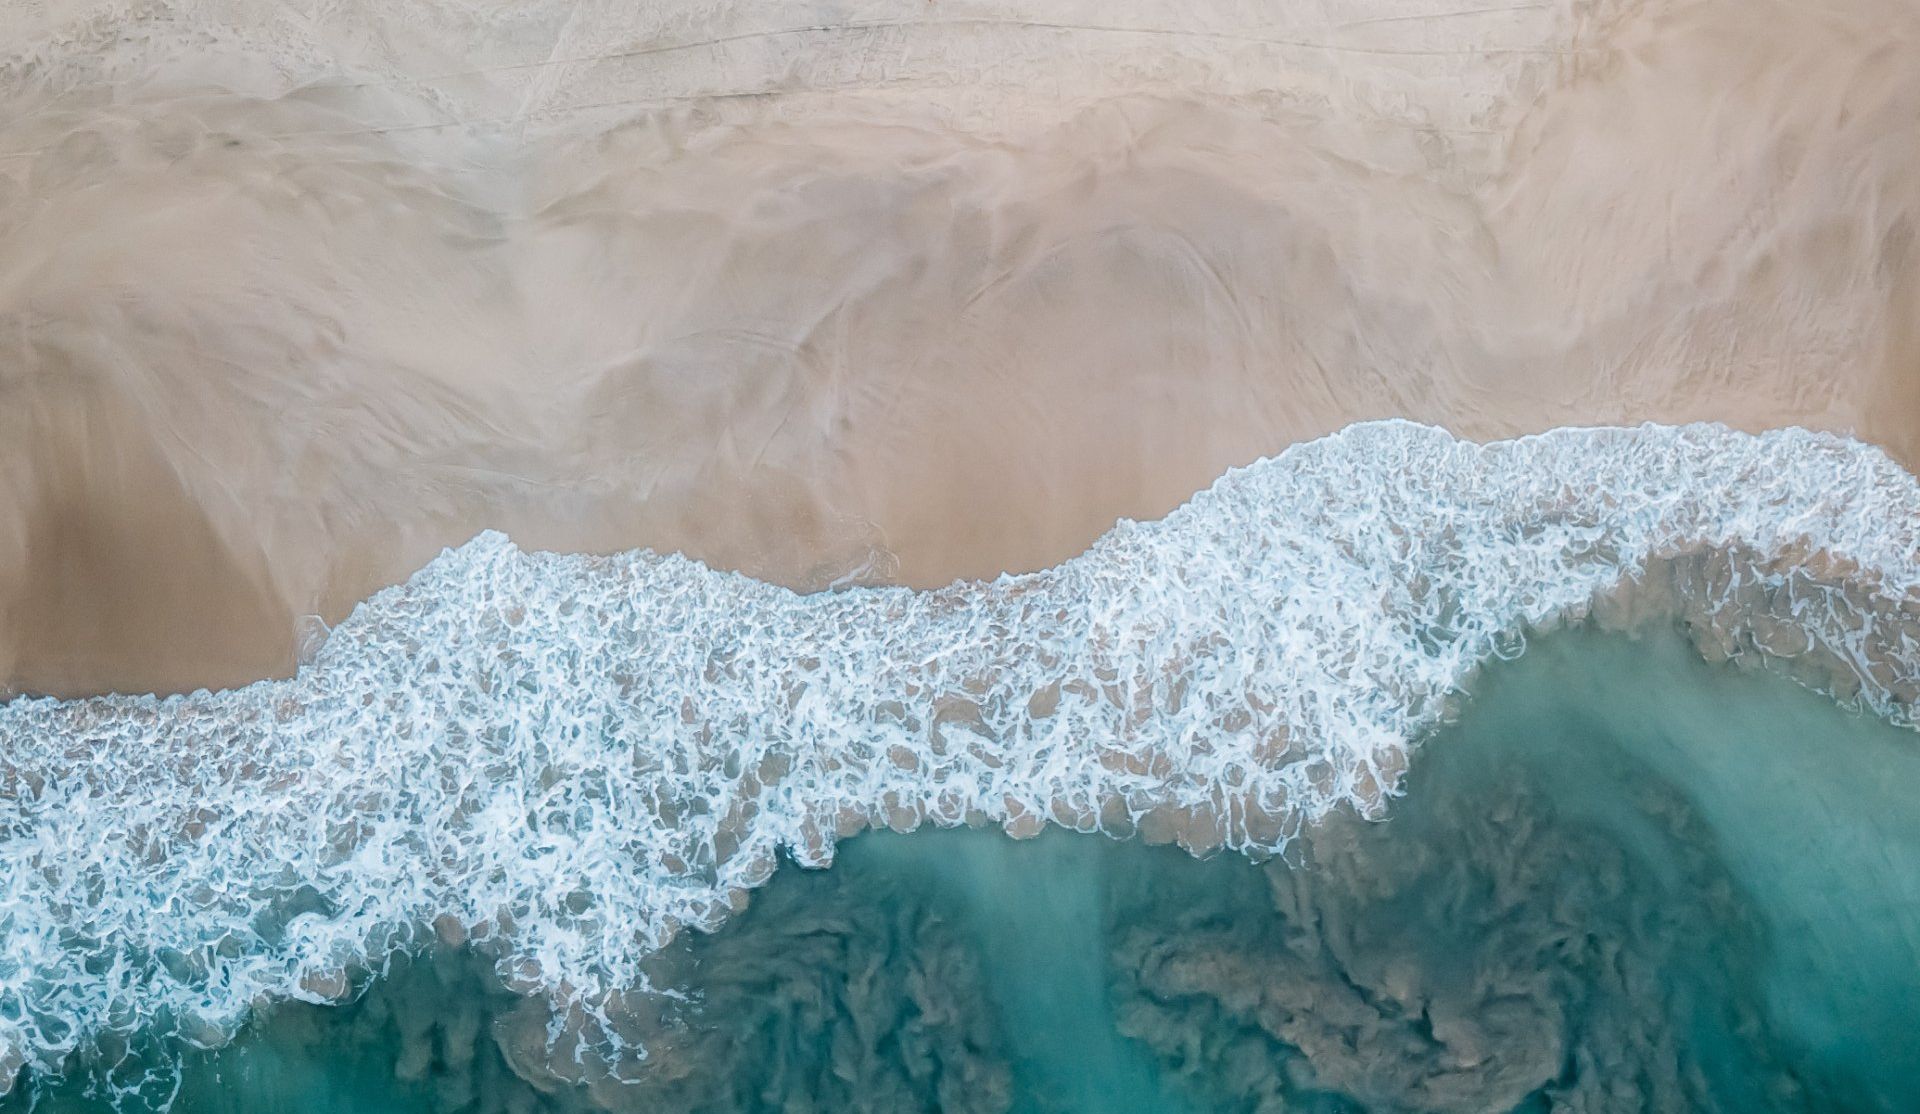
(905, 291)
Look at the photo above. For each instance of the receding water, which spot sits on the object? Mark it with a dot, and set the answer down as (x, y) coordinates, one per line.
(1625, 879)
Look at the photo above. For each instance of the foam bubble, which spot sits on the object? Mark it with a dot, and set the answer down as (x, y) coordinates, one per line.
(574, 757)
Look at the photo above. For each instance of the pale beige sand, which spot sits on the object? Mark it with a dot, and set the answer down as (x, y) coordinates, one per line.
(908, 291)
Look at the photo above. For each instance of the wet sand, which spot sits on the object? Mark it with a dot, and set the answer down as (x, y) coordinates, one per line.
(878, 293)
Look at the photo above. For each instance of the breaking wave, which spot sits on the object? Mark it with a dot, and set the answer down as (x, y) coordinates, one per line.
(571, 758)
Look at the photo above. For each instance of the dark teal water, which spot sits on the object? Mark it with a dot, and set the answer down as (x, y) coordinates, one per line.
(1623, 880)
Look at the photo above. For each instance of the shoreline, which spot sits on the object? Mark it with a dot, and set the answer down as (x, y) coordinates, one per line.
(1223, 677)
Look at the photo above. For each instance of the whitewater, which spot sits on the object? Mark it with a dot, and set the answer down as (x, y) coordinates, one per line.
(569, 758)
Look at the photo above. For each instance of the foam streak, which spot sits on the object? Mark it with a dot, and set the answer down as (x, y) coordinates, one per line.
(577, 756)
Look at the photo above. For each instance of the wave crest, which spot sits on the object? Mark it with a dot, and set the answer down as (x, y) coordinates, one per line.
(574, 757)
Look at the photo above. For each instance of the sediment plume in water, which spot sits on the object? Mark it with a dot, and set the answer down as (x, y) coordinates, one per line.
(572, 758)
(1624, 879)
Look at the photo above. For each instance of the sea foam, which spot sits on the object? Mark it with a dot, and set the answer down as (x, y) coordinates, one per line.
(571, 758)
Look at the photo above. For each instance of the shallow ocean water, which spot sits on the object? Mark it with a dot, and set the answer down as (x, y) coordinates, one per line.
(1623, 879)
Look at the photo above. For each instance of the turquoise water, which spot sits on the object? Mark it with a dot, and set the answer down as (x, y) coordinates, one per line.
(1624, 879)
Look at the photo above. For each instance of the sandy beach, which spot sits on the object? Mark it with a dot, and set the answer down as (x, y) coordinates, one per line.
(872, 293)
